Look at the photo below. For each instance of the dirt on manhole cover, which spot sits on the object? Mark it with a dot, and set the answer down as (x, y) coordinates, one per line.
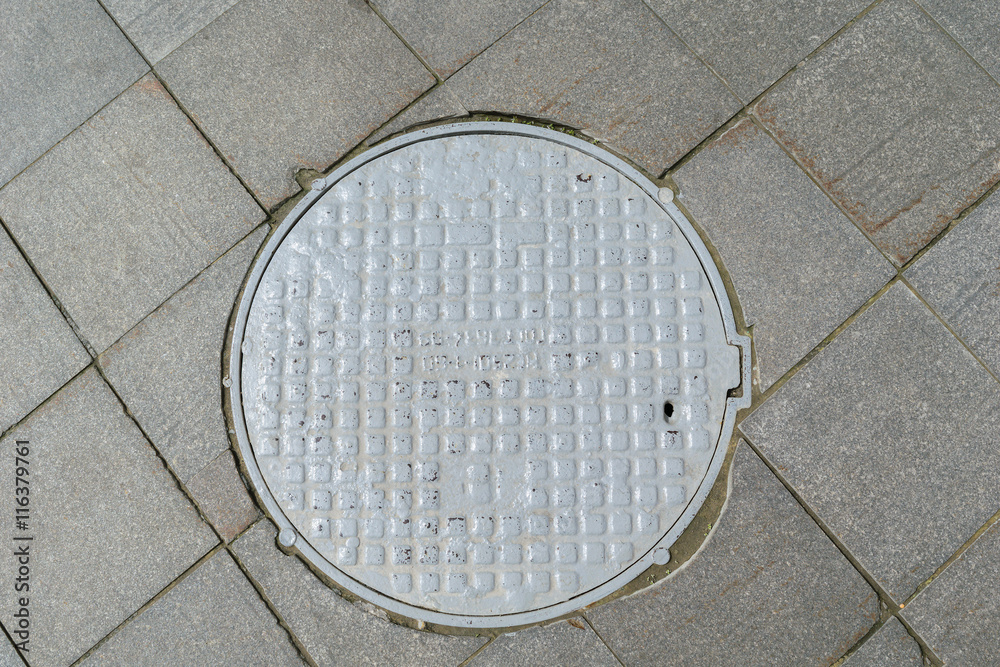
(480, 375)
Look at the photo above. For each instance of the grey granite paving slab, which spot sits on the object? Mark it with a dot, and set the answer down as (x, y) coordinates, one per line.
(800, 267)
(38, 350)
(212, 617)
(330, 627)
(612, 68)
(752, 44)
(896, 122)
(110, 526)
(168, 369)
(958, 615)
(157, 27)
(449, 33)
(8, 656)
(974, 25)
(960, 278)
(125, 211)
(285, 86)
(890, 646)
(223, 497)
(566, 643)
(60, 62)
(767, 588)
(890, 434)
(438, 103)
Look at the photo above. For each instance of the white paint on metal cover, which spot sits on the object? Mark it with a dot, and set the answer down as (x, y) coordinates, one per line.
(457, 361)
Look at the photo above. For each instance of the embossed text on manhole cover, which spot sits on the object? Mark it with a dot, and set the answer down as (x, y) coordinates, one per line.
(481, 375)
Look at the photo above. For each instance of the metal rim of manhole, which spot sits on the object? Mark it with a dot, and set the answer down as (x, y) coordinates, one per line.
(482, 375)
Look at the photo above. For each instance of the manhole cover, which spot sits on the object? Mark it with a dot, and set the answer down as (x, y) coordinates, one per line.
(480, 375)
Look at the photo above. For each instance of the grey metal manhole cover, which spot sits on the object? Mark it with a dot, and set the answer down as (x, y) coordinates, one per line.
(480, 375)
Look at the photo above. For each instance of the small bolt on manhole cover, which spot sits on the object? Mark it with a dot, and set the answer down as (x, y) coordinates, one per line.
(481, 375)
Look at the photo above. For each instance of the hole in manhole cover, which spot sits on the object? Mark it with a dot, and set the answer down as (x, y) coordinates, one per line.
(481, 375)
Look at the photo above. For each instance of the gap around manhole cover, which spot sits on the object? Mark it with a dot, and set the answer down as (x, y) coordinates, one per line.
(481, 375)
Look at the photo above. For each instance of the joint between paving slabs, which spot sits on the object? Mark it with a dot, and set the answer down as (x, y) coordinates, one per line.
(392, 28)
(52, 295)
(752, 113)
(746, 110)
(697, 56)
(146, 605)
(947, 326)
(920, 6)
(963, 214)
(293, 638)
(183, 109)
(758, 398)
(177, 480)
(13, 644)
(603, 640)
(889, 607)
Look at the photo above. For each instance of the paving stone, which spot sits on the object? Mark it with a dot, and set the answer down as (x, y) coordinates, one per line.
(890, 434)
(800, 267)
(223, 497)
(752, 44)
(8, 656)
(38, 350)
(767, 588)
(285, 86)
(64, 60)
(896, 122)
(438, 103)
(110, 526)
(168, 369)
(958, 615)
(450, 33)
(125, 211)
(212, 617)
(157, 27)
(890, 646)
(960, 278)
(567, 643)
(589, 65)
(329, 626)
(973, 23)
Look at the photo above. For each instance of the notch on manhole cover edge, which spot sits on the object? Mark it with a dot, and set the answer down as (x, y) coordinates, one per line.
(518, 582)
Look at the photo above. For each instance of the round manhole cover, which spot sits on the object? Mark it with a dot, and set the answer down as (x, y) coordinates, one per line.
(481, 375)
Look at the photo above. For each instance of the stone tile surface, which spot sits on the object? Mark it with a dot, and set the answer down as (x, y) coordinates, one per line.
(800, 267)
(223, 497)
(589, 65)
(449, 33)
(868, 432)
(8, 656)
(157, 27)
(285, 86)
(958, 615)
(38, 350)
(110, 526)
(567, 644)
(125, 211)
(752, 44)
(896, 122)
(974, 25)
(438, 103)
(890, 646)
(960, 278)
(329, 626)
(60, 62)
(767, 588)
(168, 369)
(212, 617)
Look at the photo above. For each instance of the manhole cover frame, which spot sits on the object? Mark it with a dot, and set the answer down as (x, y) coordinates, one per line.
(290, 537)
